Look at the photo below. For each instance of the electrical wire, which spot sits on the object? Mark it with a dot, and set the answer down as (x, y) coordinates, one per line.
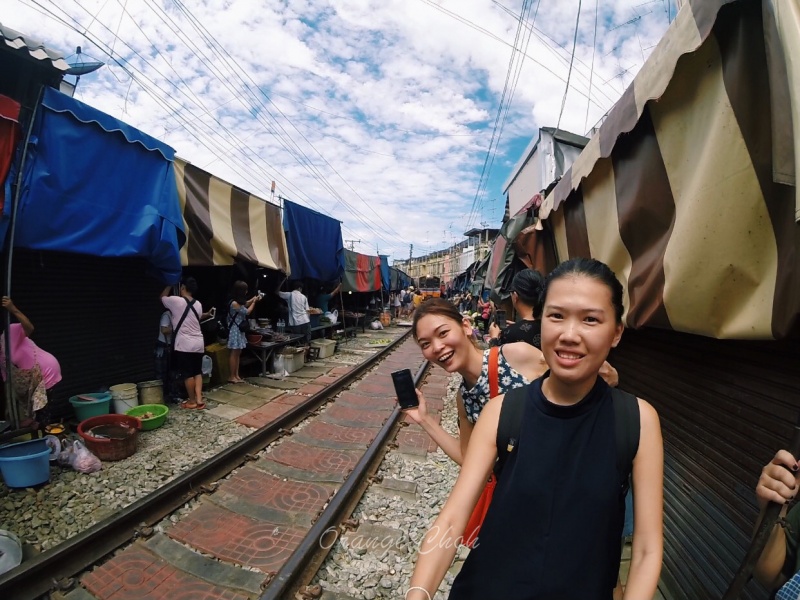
(594, 49)
(569, 73)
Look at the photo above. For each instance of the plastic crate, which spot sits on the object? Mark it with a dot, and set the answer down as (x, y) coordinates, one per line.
(293, 359)
(326, 347)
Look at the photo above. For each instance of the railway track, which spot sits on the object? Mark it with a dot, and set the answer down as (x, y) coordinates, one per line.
(239, 525)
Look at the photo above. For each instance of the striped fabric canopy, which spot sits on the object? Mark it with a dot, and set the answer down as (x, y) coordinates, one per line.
(224, 223)
(688, 189)
(362, 273)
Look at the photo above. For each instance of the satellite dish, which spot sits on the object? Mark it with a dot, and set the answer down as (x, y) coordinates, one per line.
(81, 67)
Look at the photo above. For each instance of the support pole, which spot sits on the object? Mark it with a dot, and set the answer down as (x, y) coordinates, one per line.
(12, 222)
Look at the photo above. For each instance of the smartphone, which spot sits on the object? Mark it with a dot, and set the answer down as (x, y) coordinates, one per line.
(500, 318)
(405, 389)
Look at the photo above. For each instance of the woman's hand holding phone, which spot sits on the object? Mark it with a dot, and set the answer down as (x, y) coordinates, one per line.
(420, 413)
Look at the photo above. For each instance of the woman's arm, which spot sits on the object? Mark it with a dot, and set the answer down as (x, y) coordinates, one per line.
(525, 359)
(449, 444)
(166, 291)
(609, 374)
(777, 483)
(648, 508)
(27, 326)
(440, 544)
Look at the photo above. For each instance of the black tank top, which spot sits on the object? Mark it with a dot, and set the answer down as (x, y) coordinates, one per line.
(554, 527)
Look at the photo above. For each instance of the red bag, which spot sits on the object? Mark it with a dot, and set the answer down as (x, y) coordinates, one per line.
(479, 513)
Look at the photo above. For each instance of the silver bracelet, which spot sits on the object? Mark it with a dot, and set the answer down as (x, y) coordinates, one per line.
(416, 587)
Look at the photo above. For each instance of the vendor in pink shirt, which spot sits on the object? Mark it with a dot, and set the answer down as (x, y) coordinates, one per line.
(187, 338)
(33, 370)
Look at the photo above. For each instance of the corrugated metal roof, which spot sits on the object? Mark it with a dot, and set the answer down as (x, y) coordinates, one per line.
(15, 40)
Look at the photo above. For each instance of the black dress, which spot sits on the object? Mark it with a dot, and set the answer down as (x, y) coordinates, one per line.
(523, 330)
(554, 526)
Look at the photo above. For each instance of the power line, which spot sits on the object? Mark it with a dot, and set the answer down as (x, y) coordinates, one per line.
(569, 73)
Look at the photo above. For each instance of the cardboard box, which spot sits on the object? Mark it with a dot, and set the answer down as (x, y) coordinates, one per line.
(326, 347)
(293, 359)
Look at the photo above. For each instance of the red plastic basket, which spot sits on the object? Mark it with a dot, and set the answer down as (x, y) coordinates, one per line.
(110, 449)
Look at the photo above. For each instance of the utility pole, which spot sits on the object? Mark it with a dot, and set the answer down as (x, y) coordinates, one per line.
(352, 243)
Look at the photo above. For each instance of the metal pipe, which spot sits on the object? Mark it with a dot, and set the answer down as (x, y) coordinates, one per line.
(771, 513)
(280, 586)
(12, 222)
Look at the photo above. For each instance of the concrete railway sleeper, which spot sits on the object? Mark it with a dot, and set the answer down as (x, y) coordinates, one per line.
(246, 523)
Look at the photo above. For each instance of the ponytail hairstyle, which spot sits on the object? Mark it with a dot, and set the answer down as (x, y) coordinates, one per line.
(239, 292)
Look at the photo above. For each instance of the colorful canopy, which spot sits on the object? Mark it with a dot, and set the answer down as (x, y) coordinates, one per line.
(314, 242)
(692, 199)
(95, 185)
(225, 223)
(9, 137)
(362, 273)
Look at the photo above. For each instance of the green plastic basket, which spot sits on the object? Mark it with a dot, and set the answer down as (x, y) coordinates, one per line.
(160, 412)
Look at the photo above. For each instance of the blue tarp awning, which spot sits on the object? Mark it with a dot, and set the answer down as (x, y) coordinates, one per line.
(95, 185)
(314, 242)
(385, 278)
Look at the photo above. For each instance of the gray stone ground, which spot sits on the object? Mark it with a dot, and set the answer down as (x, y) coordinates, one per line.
(376, 561)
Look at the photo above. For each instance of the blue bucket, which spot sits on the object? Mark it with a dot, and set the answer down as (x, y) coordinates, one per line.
(25, 464)
(94, 407)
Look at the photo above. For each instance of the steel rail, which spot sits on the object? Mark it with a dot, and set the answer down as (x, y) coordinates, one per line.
(42, 573)
(288, 578)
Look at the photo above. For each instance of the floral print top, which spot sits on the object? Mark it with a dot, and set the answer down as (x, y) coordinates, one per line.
(478, 395)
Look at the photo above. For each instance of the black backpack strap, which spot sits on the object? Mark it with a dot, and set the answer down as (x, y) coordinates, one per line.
(627, 428)
(509, 425)
(182, 319)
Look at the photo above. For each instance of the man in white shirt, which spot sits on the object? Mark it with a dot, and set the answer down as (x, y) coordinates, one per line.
(299, 321)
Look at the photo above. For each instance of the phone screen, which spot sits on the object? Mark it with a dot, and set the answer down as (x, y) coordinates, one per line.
(405, 389)
(500, 315)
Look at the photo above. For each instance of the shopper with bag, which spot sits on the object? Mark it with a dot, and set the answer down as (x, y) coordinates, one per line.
(239, 310)
(446, 340)
(187, 338)
(554, 524)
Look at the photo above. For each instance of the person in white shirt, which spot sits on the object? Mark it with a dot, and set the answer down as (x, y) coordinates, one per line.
(299, 321)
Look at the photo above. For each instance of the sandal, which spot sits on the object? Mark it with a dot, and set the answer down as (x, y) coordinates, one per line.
(190, 405)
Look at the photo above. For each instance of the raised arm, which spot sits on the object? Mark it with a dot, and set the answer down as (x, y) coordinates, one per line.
(441, 542)
(648, 508)
(166, 291)
(27, 326)
(450, 445)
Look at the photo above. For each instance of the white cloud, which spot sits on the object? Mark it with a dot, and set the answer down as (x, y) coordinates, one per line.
(398, 97)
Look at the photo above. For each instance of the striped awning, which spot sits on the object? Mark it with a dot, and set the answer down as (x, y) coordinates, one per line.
(225, 223)
(688, 190)
(16, 41)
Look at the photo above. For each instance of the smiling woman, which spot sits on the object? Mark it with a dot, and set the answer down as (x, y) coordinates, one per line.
(445, 338)
(553, 527)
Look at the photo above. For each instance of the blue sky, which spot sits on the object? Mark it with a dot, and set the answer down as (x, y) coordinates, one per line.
(379, 113)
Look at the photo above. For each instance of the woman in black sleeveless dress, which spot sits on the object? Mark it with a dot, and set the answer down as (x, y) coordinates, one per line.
(553, 528)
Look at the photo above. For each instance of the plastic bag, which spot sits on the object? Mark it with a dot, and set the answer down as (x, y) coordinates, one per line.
(376, 325)
(79, 458)
(333, 316)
